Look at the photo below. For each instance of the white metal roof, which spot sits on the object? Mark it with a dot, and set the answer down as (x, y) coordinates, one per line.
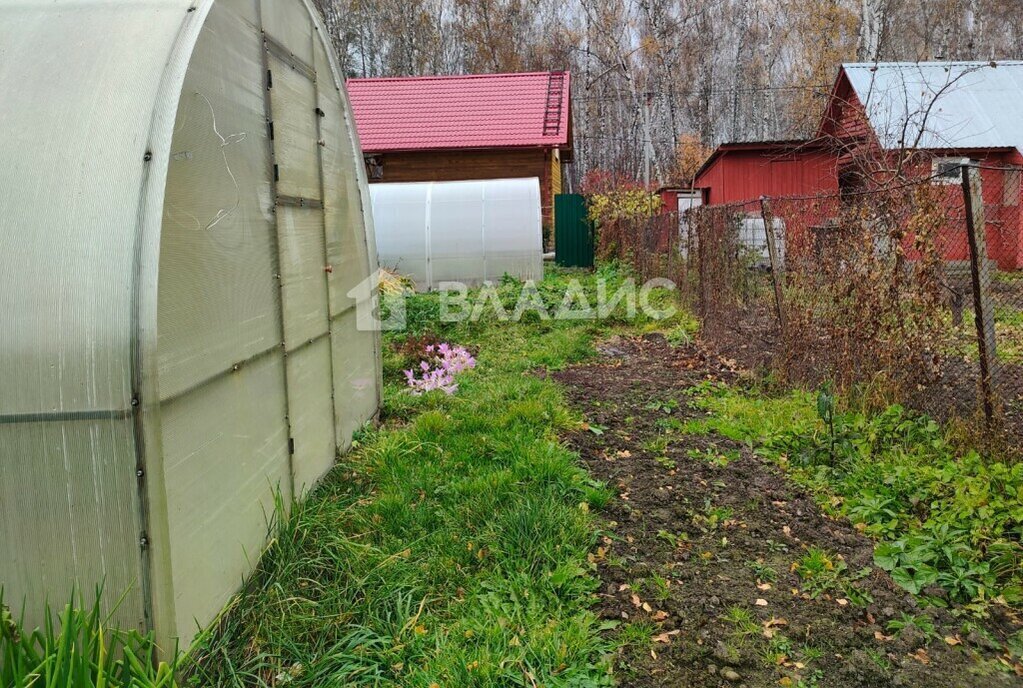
(942, 104)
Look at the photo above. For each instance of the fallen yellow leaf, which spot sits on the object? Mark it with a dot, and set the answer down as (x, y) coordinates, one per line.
(771, 626)
(665, 638)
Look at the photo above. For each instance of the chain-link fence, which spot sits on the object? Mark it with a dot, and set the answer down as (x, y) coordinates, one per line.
(911, 293)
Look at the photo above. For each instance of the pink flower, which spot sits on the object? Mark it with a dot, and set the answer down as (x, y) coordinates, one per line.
(439, 372)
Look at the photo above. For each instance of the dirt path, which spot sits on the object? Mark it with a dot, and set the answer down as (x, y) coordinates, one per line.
(701, 541)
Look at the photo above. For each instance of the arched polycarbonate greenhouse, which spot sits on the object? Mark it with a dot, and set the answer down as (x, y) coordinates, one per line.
(469, 232)
(181, 218)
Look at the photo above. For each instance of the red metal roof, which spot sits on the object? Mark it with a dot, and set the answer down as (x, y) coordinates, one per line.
(474, 111)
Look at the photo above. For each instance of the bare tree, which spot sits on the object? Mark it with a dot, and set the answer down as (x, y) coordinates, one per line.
(649, 74)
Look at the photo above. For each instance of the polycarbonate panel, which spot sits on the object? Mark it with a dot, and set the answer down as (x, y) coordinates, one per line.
(303, 276)
(217, 293)
(456, 232)
(225, 450)
(355, 376)
(346, 235)
(69, 515)
(352, 254)
(287, 24)
(311, 410)
(77, 114)
(70, 195)
(459, 231)
(293, 101)
(507, 245)
(400, 217)
(346, 255)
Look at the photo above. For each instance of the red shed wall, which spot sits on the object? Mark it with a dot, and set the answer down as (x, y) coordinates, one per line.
(742, 175)
(845, 119)
(1003, 218)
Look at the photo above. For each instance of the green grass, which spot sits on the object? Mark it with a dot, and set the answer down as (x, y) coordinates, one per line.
(1009, 334)
(962, 340)
(450, 549)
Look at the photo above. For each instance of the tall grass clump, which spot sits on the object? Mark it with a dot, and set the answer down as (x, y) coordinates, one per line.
(78, 648)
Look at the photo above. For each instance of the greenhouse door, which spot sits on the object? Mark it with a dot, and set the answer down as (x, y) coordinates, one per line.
(303, 270)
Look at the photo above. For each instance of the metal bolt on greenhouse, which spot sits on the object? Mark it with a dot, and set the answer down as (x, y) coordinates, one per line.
(181, 219)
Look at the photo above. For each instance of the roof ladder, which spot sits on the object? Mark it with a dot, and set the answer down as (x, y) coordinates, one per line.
(555, 98)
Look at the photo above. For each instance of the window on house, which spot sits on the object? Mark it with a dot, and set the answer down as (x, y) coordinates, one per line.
(948, 170)
(850, 183)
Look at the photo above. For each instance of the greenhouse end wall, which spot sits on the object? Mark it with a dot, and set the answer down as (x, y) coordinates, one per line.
(469, 232)
(186, 347)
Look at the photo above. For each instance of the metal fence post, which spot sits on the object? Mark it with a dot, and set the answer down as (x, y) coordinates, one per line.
(980, 272)
(777, 270)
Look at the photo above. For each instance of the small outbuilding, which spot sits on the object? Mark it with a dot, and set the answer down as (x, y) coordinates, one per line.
(950, 112)
(955, 113)
(462, 128)
(182, 221)
(739, 172)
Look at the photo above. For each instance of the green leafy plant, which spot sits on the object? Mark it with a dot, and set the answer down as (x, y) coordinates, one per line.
(665, 462)
(667, 407)
(822, 571)
(919, 622)
(713, 457)
(762, 571)
(744, 624)
(944, 519)
(79, 647)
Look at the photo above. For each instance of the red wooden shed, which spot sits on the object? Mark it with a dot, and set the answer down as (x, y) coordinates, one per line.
(738, 172)
(954, 112)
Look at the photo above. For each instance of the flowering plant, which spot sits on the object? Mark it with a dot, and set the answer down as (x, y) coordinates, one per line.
(438, 372)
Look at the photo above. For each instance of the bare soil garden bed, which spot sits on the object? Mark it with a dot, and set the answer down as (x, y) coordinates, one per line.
(702, 545)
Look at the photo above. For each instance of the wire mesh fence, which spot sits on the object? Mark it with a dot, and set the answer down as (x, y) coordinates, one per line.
(912, 293)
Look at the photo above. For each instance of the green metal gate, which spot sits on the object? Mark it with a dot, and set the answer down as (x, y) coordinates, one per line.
(573, 232)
